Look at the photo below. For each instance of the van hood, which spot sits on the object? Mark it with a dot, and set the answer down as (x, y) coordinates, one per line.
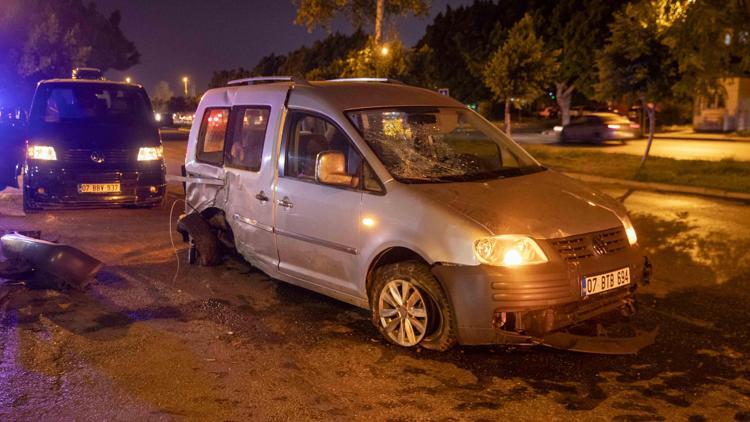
(90, 135)
(544, 205)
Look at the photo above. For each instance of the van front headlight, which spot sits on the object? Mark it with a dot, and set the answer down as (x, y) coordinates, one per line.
(150, 153)
(509, 250)
(629, 230)
(41, 152)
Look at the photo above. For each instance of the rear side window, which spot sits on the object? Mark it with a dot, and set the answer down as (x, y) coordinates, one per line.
(212, 134)
(248, 133)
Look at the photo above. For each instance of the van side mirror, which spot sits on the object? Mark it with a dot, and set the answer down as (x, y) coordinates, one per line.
(330, 169)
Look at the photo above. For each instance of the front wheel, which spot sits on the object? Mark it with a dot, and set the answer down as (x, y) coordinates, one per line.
(410, 308)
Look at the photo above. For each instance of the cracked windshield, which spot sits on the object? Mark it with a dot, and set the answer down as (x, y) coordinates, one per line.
(423, 145)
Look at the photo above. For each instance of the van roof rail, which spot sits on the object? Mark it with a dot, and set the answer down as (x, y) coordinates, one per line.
(383, 80)
(266, 80)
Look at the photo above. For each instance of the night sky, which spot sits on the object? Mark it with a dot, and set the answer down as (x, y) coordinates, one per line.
(194, 38)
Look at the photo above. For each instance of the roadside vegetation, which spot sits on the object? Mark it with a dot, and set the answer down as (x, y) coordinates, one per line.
(728, 174)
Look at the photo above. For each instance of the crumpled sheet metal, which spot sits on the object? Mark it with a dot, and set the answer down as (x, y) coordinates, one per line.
(70, 266)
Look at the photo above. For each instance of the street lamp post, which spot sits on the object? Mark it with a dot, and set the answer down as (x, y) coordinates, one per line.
(185, 81)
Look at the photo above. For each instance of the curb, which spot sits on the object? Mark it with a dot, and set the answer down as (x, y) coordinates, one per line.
(662, 187)
(666, 137)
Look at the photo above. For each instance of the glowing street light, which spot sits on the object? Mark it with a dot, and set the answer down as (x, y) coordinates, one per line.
(185, 81)
(127, 79)
(384, 51)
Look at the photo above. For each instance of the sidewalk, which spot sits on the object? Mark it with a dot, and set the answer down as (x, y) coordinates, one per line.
(661, 187)
(690, 135)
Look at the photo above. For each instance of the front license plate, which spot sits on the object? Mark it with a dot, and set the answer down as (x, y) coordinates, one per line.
(99, 188)
(595, 284)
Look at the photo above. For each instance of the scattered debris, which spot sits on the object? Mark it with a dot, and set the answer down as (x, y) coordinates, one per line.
(46, 265)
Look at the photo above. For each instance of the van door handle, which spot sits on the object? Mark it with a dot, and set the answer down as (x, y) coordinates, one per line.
(285, 203)
(261, 196)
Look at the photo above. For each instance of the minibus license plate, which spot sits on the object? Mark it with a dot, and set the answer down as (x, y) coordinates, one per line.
(602, 282)
(99, 188)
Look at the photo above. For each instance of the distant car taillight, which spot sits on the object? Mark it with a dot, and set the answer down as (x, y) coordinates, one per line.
(635, 126)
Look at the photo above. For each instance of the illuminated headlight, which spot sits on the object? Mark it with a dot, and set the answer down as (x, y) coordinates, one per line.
(629, 230)
(41, 152)
(150, 153)
(157, 117)
(509, 251)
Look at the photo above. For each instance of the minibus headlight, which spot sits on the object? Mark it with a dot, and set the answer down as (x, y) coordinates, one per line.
(509, 251)
(41, 152)
(150, 153)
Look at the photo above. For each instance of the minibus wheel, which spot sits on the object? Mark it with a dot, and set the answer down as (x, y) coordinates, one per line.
(410, 308)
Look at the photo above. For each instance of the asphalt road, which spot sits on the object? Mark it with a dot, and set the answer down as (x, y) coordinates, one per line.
(148, 342)
(662, 147)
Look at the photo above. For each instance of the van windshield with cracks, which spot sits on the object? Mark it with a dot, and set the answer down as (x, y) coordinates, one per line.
(440, 144)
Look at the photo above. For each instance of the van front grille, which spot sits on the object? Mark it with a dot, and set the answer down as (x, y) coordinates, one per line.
(92, 156)
(586, 246)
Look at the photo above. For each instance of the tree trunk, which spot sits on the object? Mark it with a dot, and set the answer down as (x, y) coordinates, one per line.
(379, 22)
(564, 97)
(650, 110)
(507, 117)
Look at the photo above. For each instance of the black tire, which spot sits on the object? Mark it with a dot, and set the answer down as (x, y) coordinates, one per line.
(29, 206)
(440, 334)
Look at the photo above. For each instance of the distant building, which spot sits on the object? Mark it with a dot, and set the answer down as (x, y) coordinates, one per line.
(725, 113)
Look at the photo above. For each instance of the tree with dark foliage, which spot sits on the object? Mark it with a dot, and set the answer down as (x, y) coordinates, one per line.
(577, 29)
(313, 13)
(41, 39)
(324, 59)
(635, 63)
(520, 68)
(458, 43)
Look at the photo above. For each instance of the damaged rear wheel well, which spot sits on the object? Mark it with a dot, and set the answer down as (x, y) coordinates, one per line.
(211, 235)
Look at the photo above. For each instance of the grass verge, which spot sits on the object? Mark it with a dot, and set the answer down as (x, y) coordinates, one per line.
(729, 175)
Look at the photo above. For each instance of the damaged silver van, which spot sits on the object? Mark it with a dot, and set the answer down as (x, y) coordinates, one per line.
(405, 202)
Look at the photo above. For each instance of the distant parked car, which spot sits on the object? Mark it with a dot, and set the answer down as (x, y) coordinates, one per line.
(183, 119)
(599, 127)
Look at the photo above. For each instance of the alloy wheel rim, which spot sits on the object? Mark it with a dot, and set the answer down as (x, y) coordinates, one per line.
(403, 313)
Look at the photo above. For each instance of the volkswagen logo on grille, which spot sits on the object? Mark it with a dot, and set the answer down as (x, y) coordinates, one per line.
(97, 157)
(598, 245)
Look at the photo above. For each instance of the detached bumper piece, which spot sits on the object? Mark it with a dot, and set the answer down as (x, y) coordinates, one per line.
(601, 343)
(50, 265)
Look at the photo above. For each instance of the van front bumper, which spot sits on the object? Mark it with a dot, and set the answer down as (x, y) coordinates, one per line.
(55, 185)
(497, 305)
